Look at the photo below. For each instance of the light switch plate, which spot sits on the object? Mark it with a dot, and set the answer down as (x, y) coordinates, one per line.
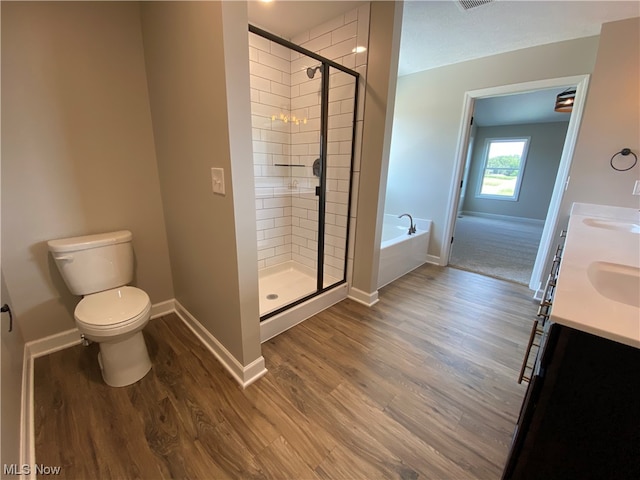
(636, 188)
(217, 180)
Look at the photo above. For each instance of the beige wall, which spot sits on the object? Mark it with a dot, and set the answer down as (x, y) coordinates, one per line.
(611, 122)
(77, 150)
(380, 91)
(428, 115)
(191, 58)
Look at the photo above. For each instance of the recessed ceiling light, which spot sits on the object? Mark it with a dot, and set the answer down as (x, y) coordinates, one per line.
(359, 49)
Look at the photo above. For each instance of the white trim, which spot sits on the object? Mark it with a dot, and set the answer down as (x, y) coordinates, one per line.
(368, 299)
(162, 308)
(562, 181)
(538, 295)
(33, 350)
(433, 259)
(27, 422)
(508, 218)
(244, 375)
(53, 343)
(69, 338)
(582, 82)
(279, 323)
(458, 172)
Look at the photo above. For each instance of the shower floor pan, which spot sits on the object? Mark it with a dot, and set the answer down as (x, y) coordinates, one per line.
(285, 283)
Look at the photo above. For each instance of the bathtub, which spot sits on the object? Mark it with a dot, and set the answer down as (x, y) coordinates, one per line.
(400, 252)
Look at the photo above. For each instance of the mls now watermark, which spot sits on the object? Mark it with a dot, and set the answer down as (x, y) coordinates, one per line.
(26, 469)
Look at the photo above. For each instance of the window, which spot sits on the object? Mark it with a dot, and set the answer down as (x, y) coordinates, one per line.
(503, 167)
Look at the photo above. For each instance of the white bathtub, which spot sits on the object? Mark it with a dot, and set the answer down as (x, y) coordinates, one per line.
(400, 252)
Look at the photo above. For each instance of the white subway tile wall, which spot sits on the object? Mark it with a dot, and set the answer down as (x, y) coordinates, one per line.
(285, 107)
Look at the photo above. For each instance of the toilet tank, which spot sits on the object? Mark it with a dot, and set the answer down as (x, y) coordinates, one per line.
(94, 263)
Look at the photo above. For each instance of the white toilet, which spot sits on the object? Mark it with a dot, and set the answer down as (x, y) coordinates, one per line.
(112, 314)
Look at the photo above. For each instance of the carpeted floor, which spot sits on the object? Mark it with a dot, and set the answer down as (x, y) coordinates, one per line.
(497, 248)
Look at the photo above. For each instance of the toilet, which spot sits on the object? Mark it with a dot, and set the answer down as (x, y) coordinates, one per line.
(99, 267)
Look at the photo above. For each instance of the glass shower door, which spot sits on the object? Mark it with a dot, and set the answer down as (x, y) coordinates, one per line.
(341, 93)
(285, 108)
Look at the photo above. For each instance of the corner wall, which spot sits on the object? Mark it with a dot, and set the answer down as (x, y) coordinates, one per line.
(77, 150)
(380, 96)
(198, 75)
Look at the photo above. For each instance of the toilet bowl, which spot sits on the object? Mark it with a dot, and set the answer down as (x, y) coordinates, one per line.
(115, 319)
(111, 313)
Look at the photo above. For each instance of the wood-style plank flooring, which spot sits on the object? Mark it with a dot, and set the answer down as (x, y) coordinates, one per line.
(422, 385)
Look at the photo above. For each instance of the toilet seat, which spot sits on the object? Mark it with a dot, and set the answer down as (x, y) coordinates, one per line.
(115, 311)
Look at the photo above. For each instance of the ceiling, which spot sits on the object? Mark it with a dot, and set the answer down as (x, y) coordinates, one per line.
(287, 18)
(521, 108)
(437, 33)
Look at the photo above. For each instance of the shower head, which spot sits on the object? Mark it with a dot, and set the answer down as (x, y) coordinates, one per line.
(311, 71)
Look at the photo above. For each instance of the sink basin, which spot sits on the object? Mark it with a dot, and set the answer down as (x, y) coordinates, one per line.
(612, 225)
(620, 283)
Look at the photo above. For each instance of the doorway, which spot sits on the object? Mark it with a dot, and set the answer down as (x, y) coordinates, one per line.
(514, 151)
(559, 182)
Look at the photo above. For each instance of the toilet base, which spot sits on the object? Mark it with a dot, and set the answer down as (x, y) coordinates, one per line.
(124, 362)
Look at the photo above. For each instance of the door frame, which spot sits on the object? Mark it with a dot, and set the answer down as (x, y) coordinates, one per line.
(562, 177)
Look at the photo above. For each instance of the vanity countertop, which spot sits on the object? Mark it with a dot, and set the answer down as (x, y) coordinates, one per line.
(598, 287)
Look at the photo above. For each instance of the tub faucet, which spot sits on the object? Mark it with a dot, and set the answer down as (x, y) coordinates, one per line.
(412, 227)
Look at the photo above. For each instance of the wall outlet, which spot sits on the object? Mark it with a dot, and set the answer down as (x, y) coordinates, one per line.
(217, 180)
(636, 188)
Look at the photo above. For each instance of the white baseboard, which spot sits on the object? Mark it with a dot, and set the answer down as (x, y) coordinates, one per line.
(279, 323)
(368, 299)
(162, 308)
(508, 218)
(434, 260)
(33, 350)
(71, 337)
(244, 375)
(27, 420)
(53, 343)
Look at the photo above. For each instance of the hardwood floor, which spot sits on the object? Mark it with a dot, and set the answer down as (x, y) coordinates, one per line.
(422, 385)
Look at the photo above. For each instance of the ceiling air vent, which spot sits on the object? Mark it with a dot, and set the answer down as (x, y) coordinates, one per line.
(469, 4)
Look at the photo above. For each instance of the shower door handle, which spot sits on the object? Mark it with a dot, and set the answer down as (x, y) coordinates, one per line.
(318, 190)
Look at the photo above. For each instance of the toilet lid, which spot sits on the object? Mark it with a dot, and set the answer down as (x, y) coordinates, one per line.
(112, 307)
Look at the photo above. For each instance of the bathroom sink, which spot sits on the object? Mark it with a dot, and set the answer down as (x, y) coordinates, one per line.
(620, 283)
(612, 225)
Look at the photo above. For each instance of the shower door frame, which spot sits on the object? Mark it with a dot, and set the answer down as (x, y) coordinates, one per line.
(322, 190)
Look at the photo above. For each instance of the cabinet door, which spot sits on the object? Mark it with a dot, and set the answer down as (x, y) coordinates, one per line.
(583, 421)
(523, 426)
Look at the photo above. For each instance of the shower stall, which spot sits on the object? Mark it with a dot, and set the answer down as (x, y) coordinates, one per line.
(303, 109)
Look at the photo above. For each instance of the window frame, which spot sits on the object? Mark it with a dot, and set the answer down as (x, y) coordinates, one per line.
(485, 158)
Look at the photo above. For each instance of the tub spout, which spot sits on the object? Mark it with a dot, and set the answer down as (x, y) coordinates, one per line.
(412, 227)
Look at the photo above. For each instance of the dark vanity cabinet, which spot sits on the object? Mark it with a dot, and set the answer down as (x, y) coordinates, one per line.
(580, 417)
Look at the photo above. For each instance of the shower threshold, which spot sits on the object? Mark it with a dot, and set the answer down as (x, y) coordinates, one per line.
(285, 283)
